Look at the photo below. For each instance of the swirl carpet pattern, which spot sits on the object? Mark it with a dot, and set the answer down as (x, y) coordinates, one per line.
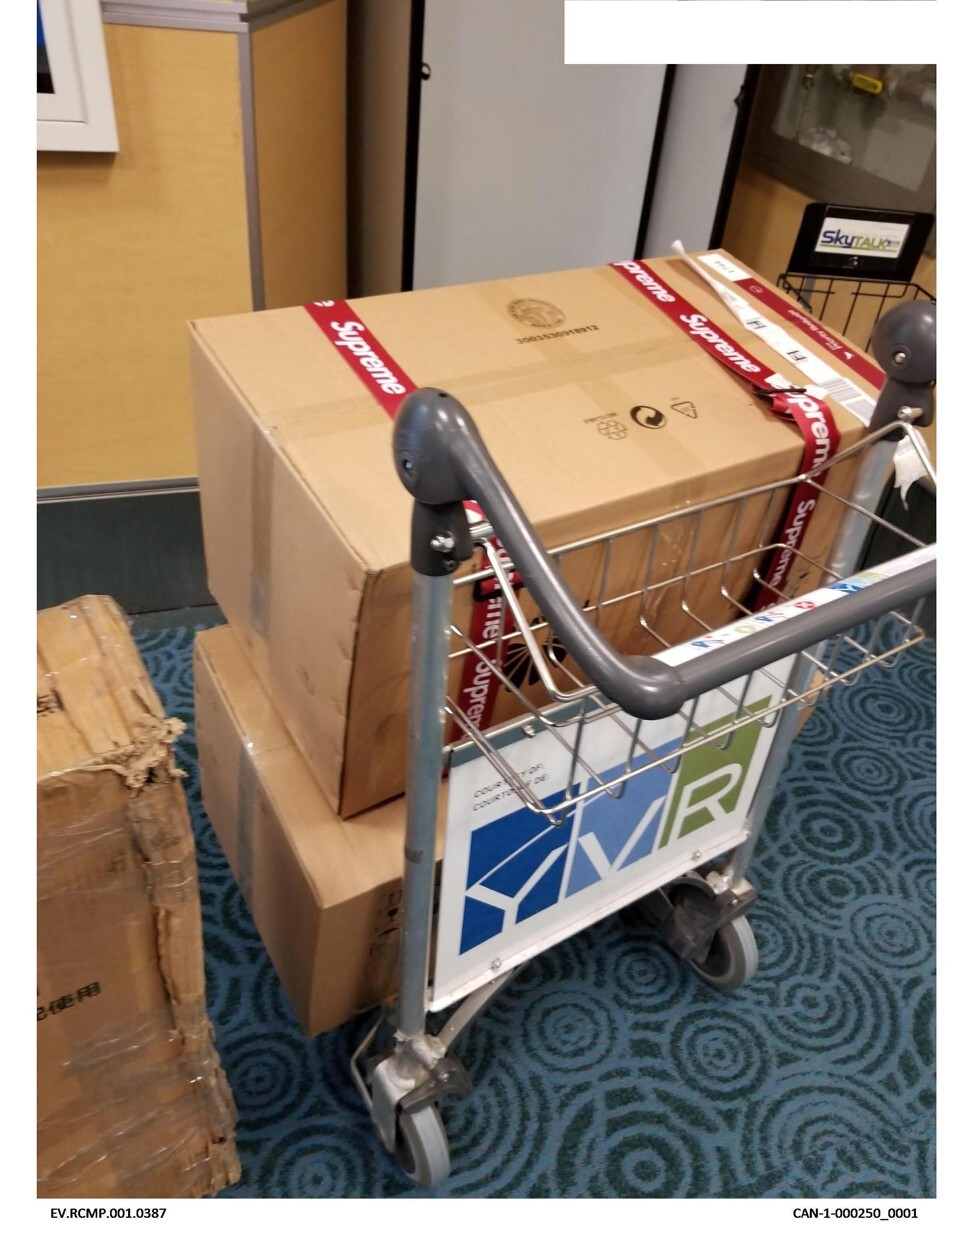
(606, 1068)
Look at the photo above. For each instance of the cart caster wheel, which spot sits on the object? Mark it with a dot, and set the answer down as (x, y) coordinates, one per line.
(733, 957)
(422, 1149)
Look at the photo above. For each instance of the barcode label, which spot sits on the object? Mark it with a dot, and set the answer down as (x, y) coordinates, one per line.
(849, 396)
(861, 409)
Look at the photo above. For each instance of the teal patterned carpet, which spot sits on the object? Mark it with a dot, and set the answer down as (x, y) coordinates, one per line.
(606, 1068)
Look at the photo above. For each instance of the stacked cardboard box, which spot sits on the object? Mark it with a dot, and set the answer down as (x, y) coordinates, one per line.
(131, 1100)
(307, 526)
(324, 893)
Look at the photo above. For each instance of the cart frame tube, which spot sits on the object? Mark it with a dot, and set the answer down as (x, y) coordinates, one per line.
(845, 556)
(431, 615)
(869, 485)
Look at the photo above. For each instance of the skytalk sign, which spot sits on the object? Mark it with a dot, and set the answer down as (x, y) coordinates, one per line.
(514, 883)
(863, 238)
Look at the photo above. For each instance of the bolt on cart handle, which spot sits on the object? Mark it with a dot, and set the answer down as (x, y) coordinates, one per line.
(442, 461)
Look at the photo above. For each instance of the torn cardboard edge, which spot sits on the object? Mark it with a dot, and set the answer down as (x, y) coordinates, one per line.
(125, 1049)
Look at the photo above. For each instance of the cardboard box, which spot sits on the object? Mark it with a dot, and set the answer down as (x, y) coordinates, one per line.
(307, 527)
(324, 893)
(131, 1098)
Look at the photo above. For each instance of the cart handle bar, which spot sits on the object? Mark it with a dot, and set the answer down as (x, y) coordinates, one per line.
(442, 461)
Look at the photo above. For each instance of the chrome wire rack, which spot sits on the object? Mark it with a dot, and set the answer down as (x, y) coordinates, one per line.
(700, 570)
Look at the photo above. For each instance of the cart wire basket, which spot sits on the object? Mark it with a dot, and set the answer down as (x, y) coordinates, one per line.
(570, 703)
(641, 730)
(850, 305)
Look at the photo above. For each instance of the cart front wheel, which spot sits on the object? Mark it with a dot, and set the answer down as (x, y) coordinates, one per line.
(422, 1149)
(733, 957)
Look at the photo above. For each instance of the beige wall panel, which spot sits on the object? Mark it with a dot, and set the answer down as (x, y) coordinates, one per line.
(378, 48)
(299, 92)
(130, 246)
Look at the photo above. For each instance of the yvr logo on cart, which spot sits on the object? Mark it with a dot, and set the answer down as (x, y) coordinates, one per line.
(521, 865)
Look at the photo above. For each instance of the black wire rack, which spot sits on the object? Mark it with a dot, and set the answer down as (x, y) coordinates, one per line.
(849, 305)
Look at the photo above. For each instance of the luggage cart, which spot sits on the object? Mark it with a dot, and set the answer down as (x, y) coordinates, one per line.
(645, 776)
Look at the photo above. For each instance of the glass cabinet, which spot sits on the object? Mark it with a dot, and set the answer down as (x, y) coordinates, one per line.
(854, 134)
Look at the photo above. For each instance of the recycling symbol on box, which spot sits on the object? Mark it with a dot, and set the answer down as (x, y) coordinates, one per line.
(613, 429)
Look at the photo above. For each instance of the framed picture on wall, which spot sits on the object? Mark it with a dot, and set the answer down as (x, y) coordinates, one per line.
(75, 112)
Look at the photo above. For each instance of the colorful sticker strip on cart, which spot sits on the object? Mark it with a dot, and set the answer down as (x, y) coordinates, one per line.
(514, 883)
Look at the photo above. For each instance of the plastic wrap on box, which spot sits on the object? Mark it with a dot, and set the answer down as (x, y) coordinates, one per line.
(132, 1101)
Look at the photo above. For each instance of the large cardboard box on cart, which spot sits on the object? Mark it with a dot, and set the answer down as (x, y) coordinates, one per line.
(131, 1098)
(307, 526)
(324, 893)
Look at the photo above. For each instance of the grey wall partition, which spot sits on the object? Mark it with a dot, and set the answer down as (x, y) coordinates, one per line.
(699, 131)
(524, 164)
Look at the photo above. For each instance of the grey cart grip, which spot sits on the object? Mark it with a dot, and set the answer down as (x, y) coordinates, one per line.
(441, 460)
(904, 343)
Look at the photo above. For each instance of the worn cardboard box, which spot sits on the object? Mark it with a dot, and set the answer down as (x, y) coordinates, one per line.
(307, 527)
(131, 1098)
(325, 893)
